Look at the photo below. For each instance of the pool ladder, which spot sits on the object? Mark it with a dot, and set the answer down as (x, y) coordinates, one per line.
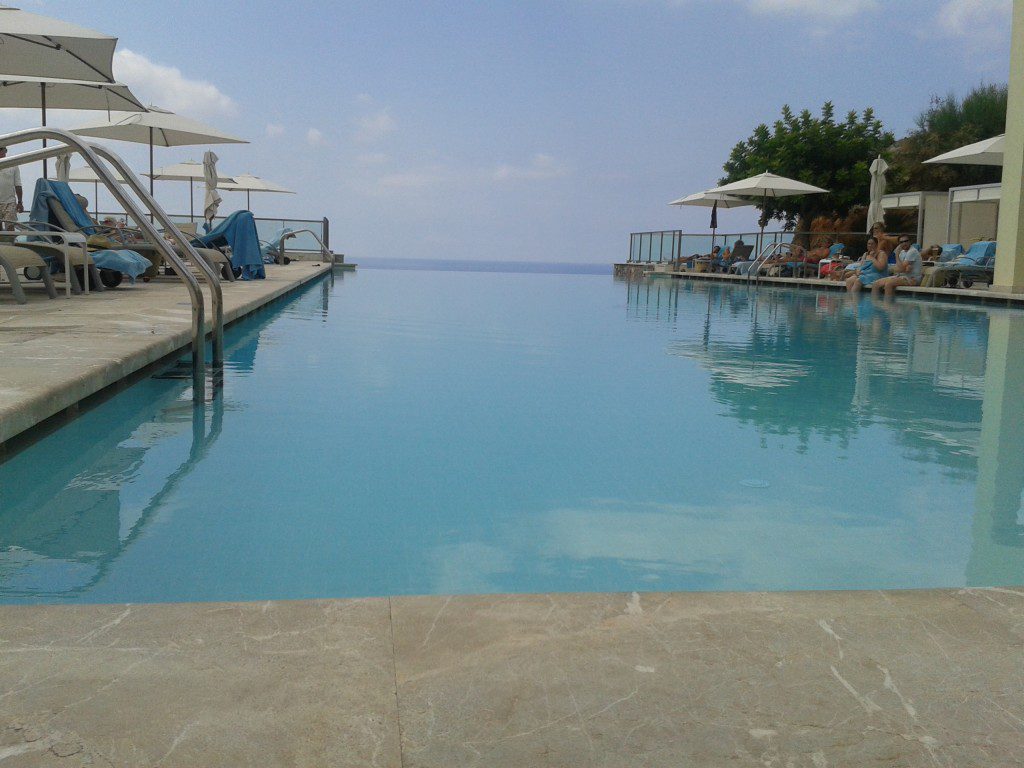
(94, 155)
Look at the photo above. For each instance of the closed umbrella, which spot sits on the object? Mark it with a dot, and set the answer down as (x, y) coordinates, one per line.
(875, 212)
(763, 186)
(158, 128)
(246, 182)
(63, 168)
(984, 152)
(211, 200)
(190, 171)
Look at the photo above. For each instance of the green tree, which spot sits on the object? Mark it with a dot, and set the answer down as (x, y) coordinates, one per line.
(946, 124)
(816, 150)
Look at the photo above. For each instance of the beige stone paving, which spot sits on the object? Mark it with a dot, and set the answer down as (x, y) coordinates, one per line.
(55, 352)
(908, 678)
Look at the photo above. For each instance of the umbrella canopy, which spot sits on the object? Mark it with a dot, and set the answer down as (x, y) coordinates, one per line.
(763, 186)
(246, 182)
(190, 171)
(26, 92)
(156, 127)
(767, 185)
(709, 200)
(875, 212)
(211, 200)
(38, 45)
(984, 152)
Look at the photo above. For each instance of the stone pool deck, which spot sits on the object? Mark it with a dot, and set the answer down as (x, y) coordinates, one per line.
(905, 678)
(57, 352)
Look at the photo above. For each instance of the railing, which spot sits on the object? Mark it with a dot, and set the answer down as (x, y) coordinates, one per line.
(314, 231)
(674, 245)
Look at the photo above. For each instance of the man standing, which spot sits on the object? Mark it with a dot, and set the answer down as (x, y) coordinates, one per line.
(10, 193)
(906, 270)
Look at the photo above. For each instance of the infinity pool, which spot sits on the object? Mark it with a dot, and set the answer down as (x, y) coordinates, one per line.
(409, 432)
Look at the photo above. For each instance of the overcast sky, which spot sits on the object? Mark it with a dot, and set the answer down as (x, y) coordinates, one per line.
(526, 130)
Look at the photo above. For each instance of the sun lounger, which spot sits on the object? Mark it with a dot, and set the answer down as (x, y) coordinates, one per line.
(13, 258)
(977, 265)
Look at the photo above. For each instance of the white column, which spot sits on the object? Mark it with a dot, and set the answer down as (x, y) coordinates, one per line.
(1009, 274)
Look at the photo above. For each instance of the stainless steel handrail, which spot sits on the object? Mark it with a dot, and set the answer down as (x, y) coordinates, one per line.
(76, 144)
(759, 262)
(324, 250)
(209, 274)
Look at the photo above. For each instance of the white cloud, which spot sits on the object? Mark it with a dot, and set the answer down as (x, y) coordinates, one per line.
(540, 167)
(274, 130)
(167, 87)
(959, 18)
(315, 137)
(828, 9)
(374, 127)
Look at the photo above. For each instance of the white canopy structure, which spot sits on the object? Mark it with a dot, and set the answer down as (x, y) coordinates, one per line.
(984, 152)
(32, 45)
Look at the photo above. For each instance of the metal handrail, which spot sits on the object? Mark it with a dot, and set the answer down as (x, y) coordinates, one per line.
(767, 252)
(209, 274)
(74, 143)
(325, 252)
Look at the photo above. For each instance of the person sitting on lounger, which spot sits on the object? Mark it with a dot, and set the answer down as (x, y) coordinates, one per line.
(873, 266)
(907, 269)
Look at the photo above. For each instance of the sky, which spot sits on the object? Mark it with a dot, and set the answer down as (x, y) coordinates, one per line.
(539, 130)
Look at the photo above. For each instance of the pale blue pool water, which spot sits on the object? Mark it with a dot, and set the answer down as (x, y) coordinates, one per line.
(410, 432)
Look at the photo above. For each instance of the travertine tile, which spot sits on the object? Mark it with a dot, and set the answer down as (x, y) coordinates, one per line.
(810, 679)
(250, 684)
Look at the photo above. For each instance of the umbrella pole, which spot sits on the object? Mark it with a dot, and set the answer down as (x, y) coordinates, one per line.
(248, 205)
(151, 162)
(191, 203)
(96, 199)
(42, 101)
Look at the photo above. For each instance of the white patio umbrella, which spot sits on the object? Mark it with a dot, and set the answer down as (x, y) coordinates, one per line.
(87, 175)
(158, 128)
(211, 200)
(714, 202)
(31, 44)
(190, 171)
(246, 182)
(37, 53)
(875, 212)
(984, 152)
(765, 185)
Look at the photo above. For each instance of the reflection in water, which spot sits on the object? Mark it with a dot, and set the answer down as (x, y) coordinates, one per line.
(946, 379)
(62, 527)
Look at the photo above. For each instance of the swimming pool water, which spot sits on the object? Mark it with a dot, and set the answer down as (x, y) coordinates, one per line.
(411, 432)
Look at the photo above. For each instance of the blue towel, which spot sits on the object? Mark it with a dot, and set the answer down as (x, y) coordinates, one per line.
(980, 253)
(239, 232)
(126, 262)
(60, 191)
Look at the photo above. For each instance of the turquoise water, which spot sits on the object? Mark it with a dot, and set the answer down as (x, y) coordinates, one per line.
(407, 432)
